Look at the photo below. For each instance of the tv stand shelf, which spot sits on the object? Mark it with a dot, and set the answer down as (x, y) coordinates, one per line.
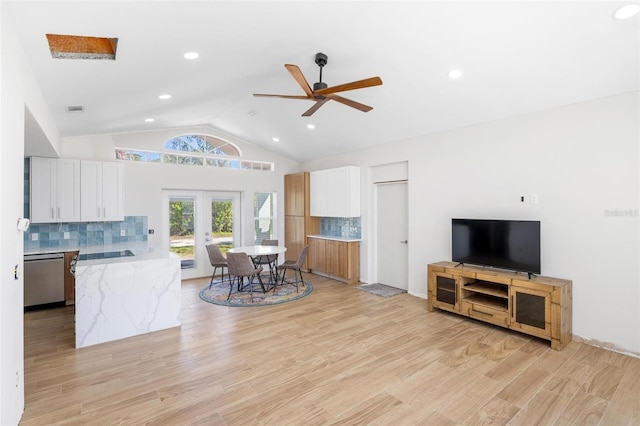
(538, 306)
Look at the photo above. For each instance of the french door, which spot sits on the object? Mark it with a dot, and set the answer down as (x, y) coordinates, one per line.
(197, 218)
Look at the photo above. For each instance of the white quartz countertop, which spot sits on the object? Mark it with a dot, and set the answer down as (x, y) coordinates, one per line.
(329, 237)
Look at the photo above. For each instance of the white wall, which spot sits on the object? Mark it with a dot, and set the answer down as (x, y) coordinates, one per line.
(18, 89)
(582, 160)
(144, 182)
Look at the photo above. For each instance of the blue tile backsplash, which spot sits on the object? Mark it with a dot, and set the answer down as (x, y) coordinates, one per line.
(52, 235)
(346, 227)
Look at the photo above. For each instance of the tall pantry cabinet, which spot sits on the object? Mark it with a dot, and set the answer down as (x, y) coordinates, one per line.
(297, 220)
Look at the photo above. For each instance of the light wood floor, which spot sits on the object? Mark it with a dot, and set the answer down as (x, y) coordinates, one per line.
(338, 356)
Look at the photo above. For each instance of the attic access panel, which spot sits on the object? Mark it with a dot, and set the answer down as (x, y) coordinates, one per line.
(82, 47)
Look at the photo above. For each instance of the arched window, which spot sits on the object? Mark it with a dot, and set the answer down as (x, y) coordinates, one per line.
(202, 144)
(196, 150)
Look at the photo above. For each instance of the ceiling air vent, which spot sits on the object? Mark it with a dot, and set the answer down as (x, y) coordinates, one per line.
(75, 108)
(81, 47)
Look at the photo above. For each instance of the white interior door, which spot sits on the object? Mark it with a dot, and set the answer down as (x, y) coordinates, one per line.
(392, 233)
(197, 218)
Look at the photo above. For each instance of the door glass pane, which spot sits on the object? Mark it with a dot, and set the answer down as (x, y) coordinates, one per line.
(530, 309)
(181, 230)
(222, 224)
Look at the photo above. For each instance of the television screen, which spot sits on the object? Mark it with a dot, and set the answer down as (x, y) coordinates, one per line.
(506, 244)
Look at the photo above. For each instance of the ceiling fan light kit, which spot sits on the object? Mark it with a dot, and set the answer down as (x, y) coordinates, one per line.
(322, 93)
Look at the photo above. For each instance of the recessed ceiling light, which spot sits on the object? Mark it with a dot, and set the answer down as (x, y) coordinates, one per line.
(311, 126)
(455, 74)
(627, 11)
(163, 97)
(275, 139)
(149, 120)
(191, 55)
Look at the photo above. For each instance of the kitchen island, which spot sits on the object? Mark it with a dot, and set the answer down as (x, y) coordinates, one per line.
(123, 296)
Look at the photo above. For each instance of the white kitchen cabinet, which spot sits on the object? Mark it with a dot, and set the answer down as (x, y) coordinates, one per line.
(101, 191)
(335, 192)
(318, 193)
(55, 190)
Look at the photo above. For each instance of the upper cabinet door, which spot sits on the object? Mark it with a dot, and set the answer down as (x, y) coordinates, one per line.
(294, 194)
(319, 192)
(68, 190)
(101, 190)
(336, 192)
(43, 201)
(112, 188)
(91, 191)
(55, 186)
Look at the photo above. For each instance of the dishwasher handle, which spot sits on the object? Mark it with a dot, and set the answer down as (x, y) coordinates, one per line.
(43, 256)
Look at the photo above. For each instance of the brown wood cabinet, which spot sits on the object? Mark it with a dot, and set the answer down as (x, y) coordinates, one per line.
(297, 221)
(540, 306)
(336, 259)
(69, 279)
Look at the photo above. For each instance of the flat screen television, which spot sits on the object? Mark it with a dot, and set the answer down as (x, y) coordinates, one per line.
(505, 244)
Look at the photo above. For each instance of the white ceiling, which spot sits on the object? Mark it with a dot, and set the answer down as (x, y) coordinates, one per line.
(516, 57)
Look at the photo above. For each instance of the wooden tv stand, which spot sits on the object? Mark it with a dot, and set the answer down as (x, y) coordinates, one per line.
(540, 306)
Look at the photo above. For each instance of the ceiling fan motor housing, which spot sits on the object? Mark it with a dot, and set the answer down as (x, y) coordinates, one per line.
(321, 59)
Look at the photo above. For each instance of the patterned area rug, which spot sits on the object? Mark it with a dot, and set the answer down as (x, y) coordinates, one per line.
(282, 294)
(381, 290)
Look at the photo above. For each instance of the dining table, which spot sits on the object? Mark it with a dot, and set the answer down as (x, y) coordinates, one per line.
(258, 252)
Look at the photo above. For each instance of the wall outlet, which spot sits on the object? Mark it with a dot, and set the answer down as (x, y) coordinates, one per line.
(66, 236)
(123, 232)
(151, 231)
(34, 236)
(534, 198)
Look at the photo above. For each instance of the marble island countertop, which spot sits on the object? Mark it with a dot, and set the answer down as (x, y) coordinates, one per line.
(330, 237)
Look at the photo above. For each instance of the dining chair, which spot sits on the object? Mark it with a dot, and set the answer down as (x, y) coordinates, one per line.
(295, 266)
(241, 267)
(217, 260)
(269, 260)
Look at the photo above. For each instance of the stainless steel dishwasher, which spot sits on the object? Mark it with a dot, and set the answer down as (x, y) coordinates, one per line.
(43, 279)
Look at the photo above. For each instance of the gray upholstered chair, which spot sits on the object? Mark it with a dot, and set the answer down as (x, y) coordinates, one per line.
(217, 260)
(241, 267)
(295, 266)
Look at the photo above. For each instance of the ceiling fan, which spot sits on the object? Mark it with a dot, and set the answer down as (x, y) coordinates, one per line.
(321, 93)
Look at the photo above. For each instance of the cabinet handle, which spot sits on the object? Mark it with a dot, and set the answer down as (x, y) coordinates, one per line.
(58, 212)
(513, 308)
(53, 216)
(97, 211)
(480, 312)
(104, 212)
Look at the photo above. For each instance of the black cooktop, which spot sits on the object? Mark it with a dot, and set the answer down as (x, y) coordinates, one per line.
(105, 255)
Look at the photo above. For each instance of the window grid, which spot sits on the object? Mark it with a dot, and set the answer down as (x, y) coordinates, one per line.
(192, 159)
(264, 216)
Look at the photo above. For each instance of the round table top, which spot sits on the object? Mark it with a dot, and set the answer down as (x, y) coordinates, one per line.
(259, 250)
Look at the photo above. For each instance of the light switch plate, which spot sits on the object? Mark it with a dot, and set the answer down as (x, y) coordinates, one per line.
(123, 232)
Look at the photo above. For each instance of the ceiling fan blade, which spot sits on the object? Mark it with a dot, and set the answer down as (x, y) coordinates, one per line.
(349, 102)
(314, 108)
(360, 84)
(264, 95)
(299, 77)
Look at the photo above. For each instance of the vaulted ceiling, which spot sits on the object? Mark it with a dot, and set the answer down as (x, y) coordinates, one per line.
(515, 57)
